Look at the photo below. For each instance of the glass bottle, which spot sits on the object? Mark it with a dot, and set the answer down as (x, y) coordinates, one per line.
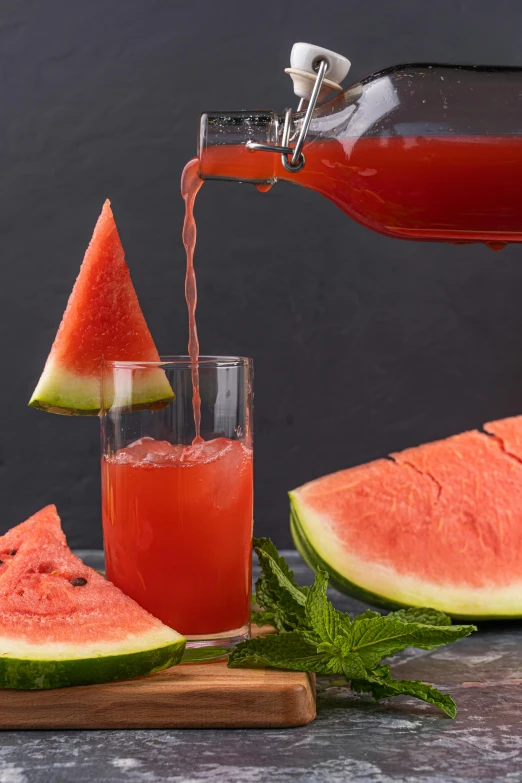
(424, 152)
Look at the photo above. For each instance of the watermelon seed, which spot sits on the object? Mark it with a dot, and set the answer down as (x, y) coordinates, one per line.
(1, 562)
(13, 552)
(79, 581)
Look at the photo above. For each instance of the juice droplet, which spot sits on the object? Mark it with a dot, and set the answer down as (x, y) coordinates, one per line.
(264, 187)
(496, 246)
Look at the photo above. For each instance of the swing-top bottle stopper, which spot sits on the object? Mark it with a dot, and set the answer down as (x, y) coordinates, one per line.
(304, 62)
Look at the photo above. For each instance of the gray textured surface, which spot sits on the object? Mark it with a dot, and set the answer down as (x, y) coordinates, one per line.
(352, 739)
(363, 345)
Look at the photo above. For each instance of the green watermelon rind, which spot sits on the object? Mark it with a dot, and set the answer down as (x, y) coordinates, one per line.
(346, 586)
(64, 392)
(314, 561)
(41, 674)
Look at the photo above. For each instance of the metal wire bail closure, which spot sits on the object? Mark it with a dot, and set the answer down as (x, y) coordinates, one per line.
(289, 164)
(292, 158)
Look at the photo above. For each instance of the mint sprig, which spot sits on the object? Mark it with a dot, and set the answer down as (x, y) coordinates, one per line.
(316, 637)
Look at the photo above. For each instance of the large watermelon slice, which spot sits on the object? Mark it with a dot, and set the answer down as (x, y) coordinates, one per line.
(439, 525)
(103, 318)
(61, 623)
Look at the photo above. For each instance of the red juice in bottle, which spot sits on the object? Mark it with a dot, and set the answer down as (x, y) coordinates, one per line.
(446, 188)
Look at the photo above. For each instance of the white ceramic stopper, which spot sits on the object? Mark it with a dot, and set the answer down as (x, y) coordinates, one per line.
(303, 61)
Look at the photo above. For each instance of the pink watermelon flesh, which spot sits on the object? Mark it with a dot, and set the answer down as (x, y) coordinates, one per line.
(57, 612)
(439, 524)
(35, 583)
(103, 318)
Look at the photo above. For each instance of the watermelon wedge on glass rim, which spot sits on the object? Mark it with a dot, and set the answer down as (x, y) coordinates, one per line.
(62, 623)
(103, 320)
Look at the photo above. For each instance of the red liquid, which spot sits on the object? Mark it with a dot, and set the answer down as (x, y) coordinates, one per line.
(177, 526)
(449, 188)
(190, 185)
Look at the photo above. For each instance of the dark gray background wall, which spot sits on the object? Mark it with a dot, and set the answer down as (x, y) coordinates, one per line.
(362, 344)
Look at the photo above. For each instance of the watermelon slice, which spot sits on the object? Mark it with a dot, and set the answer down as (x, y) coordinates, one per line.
(61, 623)
(103, 318)
(439, 525)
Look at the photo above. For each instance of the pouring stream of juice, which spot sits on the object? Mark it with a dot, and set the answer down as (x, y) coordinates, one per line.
(190, 185)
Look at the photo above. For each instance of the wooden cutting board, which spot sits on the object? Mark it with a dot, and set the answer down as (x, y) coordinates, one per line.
(188, 696)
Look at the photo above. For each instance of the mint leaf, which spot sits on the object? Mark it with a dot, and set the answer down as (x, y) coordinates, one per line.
(321, 615)
(353, 667)
(276, 590)
(422, 615)
(350, 666)
(380, 637)
(296, 651)
(263, 618)
(367, 615)
(268, 548)
(293, 650)
(381, 688)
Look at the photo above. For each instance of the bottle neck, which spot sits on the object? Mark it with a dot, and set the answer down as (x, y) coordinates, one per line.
(223, 151)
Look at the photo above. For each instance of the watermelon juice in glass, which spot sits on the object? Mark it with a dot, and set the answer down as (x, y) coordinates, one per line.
(177, 493)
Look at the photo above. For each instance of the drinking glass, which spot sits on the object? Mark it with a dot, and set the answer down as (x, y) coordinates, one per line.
(177, 509)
